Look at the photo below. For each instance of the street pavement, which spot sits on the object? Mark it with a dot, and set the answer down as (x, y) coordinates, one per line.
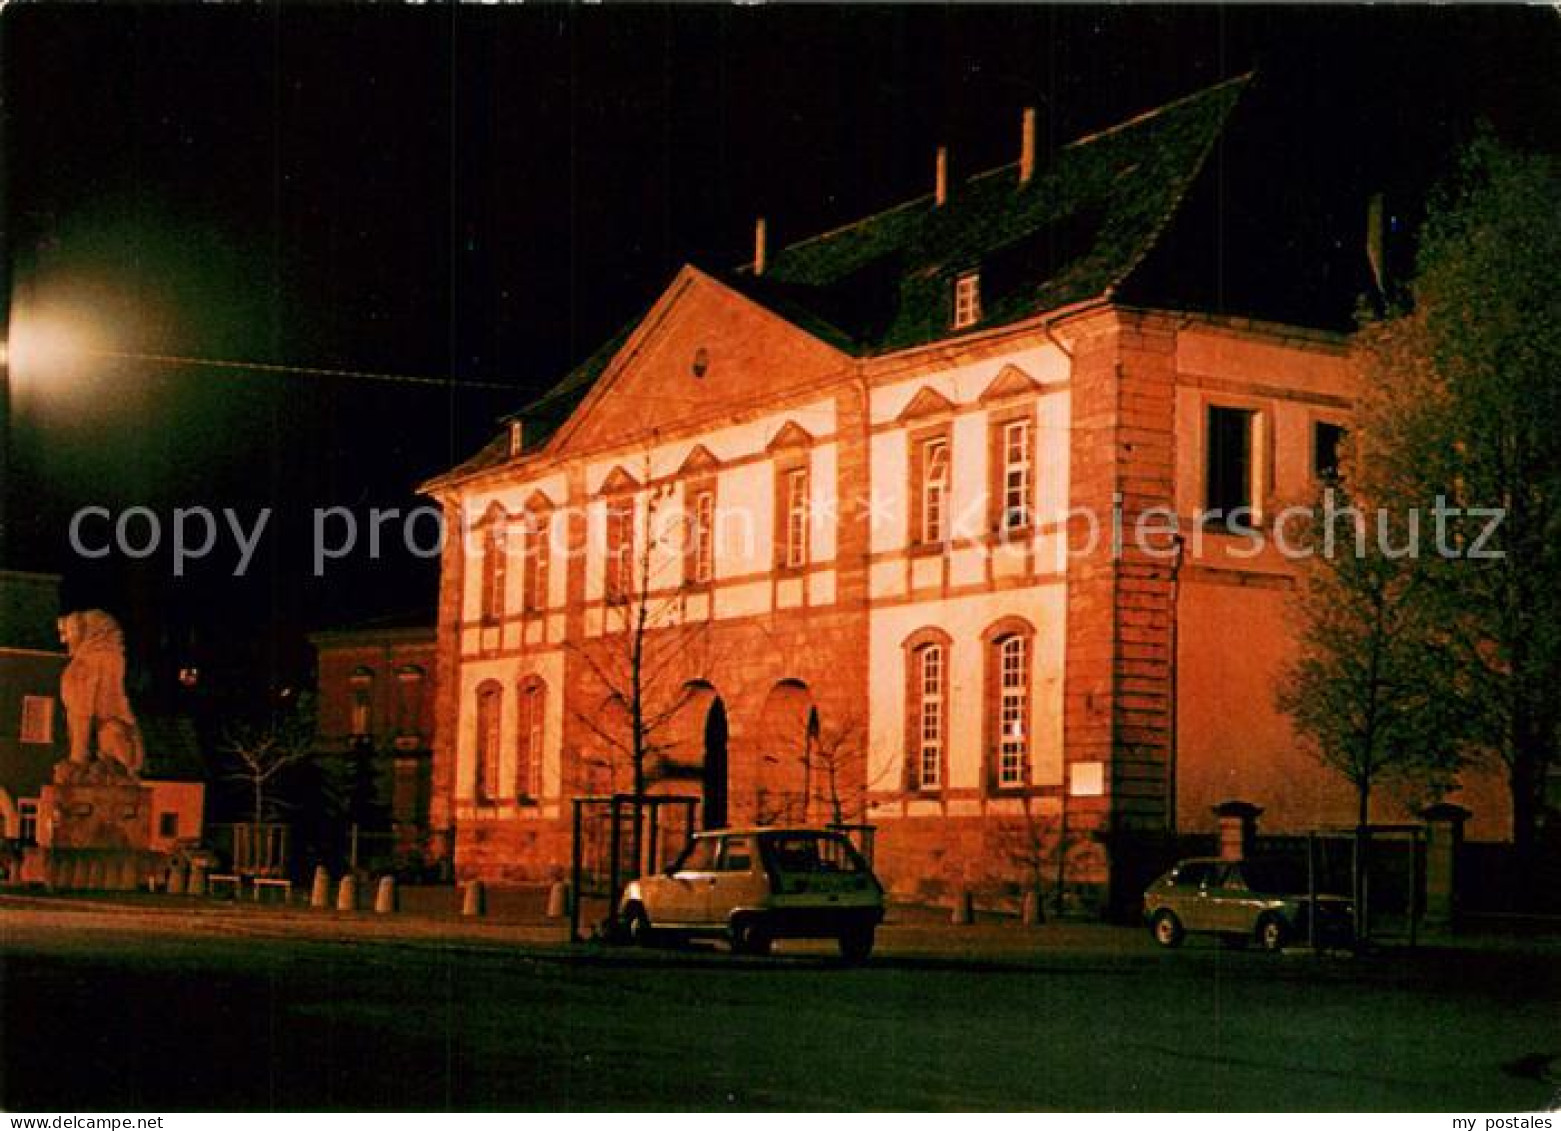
(167, 1005)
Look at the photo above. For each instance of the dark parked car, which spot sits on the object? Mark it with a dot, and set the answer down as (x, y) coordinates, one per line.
(1263, 899)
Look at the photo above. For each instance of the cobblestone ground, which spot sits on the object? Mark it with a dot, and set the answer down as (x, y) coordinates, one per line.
(159, 1007)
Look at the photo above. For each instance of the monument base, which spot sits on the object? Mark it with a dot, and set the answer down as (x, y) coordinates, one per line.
(95, 831)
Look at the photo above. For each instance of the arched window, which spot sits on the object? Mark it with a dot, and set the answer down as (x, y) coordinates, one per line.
(931, 664)
(926, 709)
(529, 733)
(490, 703)
(1008, 703)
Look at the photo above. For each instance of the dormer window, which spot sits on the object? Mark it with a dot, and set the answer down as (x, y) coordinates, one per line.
(967, 300)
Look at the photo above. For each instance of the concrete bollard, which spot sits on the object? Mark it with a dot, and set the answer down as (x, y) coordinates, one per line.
(320, 890)
(198, 879)
(476, 900)
(1030, 913)
(178, 880)
(558, 901)
(964, 912)
(385, 896)
(347, 893)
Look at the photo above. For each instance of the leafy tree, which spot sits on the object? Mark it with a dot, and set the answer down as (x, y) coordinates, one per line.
(1461, 398)
(1373, 687)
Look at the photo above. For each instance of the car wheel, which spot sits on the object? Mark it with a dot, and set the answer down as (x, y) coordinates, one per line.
(637, 928)
(856, 945)
(1167, 929)
(749, 937)
(1272, 934)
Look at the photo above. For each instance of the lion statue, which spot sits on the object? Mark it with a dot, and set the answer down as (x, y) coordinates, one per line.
(97, 714)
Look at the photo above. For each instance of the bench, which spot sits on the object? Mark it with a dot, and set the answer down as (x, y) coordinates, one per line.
(234, 884)
(284, 886)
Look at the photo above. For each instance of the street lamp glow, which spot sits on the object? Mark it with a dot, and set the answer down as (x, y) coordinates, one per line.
(41, 342)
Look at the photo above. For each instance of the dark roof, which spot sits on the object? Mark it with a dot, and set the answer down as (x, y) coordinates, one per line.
(417, 624)
(1075, 232)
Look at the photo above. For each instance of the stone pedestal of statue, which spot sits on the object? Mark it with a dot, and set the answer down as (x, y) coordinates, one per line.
(95, 829)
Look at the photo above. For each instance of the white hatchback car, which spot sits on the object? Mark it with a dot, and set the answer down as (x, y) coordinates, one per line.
(752, 886)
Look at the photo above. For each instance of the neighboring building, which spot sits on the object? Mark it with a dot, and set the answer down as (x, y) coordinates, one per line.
(376, 708)
(32, 725)
(880, 444)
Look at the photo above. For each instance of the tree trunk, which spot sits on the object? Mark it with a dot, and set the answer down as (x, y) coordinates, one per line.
(1361, 867)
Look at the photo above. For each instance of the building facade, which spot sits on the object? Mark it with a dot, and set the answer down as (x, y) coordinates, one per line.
(375, 704)
(944, 522)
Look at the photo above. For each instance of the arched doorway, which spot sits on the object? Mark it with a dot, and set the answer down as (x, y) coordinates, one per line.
(788, 733)
(714, 784)
(697, 757)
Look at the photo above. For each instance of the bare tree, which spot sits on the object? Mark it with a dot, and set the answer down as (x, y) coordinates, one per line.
(263, 750)
(650, 656)
(1037, 843)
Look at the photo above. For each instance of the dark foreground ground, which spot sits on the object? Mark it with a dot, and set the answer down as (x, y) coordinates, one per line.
(108, 1010)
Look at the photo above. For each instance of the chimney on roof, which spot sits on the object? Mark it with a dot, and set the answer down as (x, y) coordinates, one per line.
(1027, 146)
(515, 436)
(760, 245)
(940, 191)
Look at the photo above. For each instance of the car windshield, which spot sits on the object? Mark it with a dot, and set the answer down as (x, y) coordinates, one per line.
(812, 853)
(1274, 877)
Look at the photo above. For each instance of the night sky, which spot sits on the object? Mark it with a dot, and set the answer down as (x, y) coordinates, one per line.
(484, 195)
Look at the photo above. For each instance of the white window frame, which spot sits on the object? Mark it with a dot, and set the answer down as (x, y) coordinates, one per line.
(495, 571)
(796, 517)
(619, 575)
(1017, 483)
(967, 299)
(934, 489)
(704, 537)
(1013, 710)
(931, 715)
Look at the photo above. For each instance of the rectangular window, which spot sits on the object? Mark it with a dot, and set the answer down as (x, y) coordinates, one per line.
(934, 490)
(168, 826)
(1327, 439)
(27, 822)
(38, 719)
(495, 568)
(702, 550)
(967, 300)
(796, 531)
(1015, 482)
(620, 550)
(930, 754)
(1013, 745)
(538, 538)
(1228, 469)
